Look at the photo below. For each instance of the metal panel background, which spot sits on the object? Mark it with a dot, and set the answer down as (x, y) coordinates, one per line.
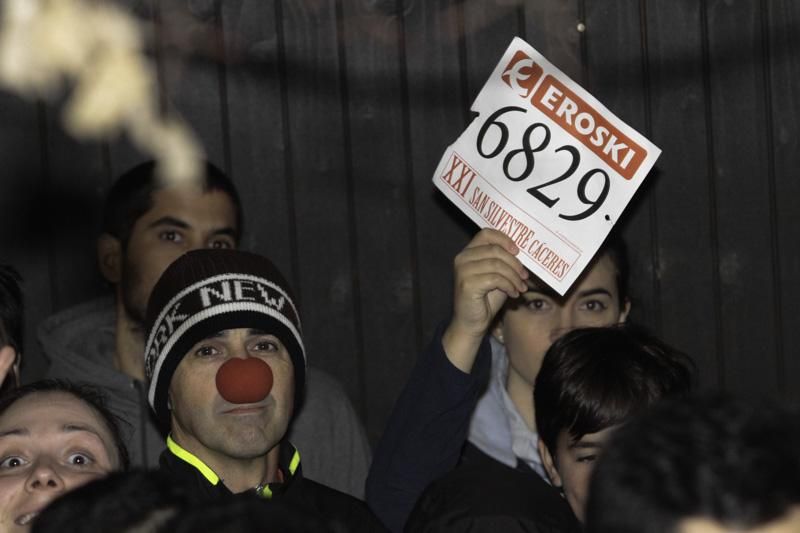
(330, 115)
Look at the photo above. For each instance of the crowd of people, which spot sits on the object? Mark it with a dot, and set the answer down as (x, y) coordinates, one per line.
(186, 401)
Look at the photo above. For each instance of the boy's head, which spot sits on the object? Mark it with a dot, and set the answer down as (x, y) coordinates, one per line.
(705, 464)
(11, 317)
(147, 224)
(224, 353)
(591, 381)
(528, 325)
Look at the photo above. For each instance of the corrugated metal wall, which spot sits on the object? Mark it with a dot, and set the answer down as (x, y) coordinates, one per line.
(332, 114)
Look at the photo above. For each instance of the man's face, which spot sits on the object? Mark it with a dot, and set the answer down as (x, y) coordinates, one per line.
(211, 427)
(532, 323)
(571, 468)
(181, 219)
(50, 444)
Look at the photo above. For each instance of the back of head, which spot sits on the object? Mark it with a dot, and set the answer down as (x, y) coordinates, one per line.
(122, 501)
(728, 461)
(130, 197)
(595, 378)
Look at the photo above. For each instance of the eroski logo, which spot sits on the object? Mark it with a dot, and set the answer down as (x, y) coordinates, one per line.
(522, 74)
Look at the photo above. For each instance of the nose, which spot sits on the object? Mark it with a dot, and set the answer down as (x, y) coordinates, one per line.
(244, 380)
(563, 324)
(44, 477)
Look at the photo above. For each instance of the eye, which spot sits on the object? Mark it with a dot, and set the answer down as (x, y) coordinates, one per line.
(80, 459)
(587, 458)
(13, 462)
(266, 346)
(221, 244)
(206, 350)
(170, 235)
(537, 304)
(594, 306)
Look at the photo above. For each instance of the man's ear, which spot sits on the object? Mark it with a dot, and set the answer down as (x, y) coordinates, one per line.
(8, 359)
(626, 309)
(109, 258)
(549, 464)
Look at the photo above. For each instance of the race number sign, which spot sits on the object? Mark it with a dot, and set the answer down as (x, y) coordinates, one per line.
(545, 163)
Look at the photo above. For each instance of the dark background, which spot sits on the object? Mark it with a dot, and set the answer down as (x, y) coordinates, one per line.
(330, 115)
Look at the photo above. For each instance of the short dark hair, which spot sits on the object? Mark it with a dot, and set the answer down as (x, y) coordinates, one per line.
(92, 396)
(595, 378)
(131, 196)
(11, 308)
(727, 460)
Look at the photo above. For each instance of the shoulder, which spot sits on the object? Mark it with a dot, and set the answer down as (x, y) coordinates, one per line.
(490, 493)
(337, 508)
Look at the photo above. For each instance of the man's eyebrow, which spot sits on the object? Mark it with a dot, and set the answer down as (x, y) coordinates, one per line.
(14, 432)
(228, 231)
(169, 221)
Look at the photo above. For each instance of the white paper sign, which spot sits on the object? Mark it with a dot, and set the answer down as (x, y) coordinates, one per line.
(545, 163)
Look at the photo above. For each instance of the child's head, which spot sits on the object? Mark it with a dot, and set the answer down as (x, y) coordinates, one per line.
(10, 325)
(528, 325)
(591, 381)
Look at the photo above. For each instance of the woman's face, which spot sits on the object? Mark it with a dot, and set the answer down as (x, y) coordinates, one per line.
(50, 443)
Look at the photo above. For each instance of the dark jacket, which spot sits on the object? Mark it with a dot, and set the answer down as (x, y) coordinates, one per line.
(485, 495)
(425, 433)
(337, 510)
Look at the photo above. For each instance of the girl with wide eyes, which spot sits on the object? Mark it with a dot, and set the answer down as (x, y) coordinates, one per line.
(54, 437)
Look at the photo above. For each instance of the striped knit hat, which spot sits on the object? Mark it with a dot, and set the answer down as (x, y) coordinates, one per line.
(207, 291)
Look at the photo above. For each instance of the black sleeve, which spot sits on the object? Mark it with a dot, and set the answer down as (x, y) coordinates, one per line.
(426, 431)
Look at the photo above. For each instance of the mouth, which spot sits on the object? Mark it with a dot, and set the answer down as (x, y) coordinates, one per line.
(25, 519)
(244, 409)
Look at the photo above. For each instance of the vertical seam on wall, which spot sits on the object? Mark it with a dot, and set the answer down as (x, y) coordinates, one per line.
(352, 225)
(462, 61)
(583, 41)
(222, 81)
(773, 210)
(409, 174)
(655, 258)
(283, 83)
(161, 74)
(41, 115)
(712, 195)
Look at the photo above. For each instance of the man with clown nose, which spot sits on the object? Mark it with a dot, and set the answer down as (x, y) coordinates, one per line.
(225, 363)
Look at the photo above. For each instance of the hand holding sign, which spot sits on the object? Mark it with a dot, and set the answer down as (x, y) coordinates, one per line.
(486, 273)
(546, 164)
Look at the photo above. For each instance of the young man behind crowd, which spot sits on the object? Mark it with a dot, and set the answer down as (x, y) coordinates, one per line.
(146, 226)
(590, 383)
(503, 321)
(225, 364)
(709, 464)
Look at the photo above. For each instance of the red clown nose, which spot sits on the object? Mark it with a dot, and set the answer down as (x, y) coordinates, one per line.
(247, 380)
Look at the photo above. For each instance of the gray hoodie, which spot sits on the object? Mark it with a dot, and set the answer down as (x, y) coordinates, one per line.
(80, 342)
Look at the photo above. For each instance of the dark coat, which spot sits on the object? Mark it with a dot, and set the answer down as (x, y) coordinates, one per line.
(482, 494)
(337, 510)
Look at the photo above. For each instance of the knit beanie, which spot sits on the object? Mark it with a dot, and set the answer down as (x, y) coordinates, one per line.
(207, 291)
